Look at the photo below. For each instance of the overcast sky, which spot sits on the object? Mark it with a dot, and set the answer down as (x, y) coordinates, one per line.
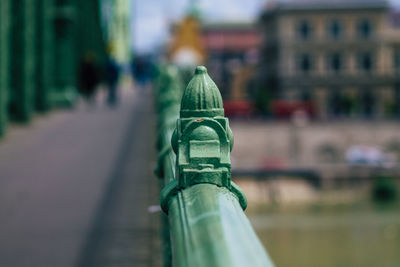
(152, 17)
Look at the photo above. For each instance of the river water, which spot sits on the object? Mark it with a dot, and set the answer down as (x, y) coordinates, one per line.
(362, 234)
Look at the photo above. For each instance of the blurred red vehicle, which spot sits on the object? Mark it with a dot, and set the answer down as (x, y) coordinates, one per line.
(238, 107)
(285, 108)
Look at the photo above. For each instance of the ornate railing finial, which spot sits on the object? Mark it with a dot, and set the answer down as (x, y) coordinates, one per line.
(202, 140)
(201, 97)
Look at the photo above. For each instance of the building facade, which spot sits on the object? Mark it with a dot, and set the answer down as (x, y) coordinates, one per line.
(232, 52)
(341, 56)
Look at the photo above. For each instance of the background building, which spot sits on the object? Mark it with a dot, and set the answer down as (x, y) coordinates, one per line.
(340, 56)
(232, 51)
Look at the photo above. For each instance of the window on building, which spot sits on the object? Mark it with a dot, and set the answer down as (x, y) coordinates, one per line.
(305, 63)
(335, 102)
(304, 30)
(367, 103)
(306, 95)
(364, 28)
(334, 29)
(335, 62)
(365, 61)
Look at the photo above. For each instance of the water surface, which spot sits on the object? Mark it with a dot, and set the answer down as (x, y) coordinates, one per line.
(360, 234)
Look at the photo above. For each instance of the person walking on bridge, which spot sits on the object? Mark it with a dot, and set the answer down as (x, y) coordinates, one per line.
(112, 72)
(88, 77)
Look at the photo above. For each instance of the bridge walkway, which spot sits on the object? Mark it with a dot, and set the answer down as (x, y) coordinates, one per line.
(75, 187)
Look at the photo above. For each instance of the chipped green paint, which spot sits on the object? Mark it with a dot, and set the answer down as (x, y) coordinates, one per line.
(202, 141)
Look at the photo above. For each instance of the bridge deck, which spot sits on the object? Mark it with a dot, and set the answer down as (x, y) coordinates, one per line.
(75, 187)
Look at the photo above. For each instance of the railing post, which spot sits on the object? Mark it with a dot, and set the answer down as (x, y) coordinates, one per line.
(206, 221)
(64, 91)
(22, 63)
(202, 141)
(45, 54)
(5, 17)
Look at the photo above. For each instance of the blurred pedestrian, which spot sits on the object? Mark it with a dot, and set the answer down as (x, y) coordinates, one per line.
(140, 71)
(88, 77)
(112, 72)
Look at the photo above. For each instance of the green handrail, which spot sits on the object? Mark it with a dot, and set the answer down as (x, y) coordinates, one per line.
(206, 223)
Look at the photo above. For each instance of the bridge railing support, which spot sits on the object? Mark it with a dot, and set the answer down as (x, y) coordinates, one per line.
(206, 222)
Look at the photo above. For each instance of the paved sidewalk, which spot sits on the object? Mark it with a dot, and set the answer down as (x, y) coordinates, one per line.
(77, 183)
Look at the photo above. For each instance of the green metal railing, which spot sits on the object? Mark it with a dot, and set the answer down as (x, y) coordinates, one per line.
(205, 223)
(41, 45)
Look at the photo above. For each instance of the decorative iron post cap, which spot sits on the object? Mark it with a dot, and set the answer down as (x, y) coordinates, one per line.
(202, 141)
(201, 97)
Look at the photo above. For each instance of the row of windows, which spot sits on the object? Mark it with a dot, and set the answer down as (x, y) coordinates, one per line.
(336, 62)
(334, 29)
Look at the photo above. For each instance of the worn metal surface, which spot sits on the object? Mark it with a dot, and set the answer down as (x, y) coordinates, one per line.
(209, 228)
(207, 225)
